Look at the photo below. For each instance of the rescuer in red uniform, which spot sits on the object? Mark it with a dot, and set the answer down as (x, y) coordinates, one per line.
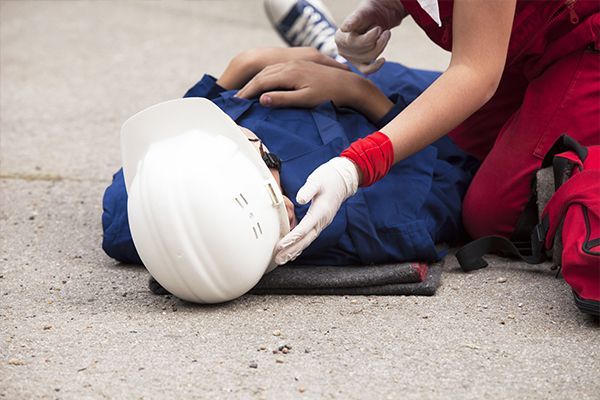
(522, 73)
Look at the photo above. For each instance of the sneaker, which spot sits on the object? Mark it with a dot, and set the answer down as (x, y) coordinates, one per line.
(304, 23)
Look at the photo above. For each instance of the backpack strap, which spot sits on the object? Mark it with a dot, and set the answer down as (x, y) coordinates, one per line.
(470, 256)
(578, 190)
(563, 165)
(564, 144)
(564, 154)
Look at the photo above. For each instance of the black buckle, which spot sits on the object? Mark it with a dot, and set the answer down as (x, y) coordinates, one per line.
(538, 239)
(271, 160)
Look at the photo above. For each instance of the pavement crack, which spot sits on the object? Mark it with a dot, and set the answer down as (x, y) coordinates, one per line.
(44, 177)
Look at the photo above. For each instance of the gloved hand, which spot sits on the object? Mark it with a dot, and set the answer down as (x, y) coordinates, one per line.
(328, 187)
(365, 33)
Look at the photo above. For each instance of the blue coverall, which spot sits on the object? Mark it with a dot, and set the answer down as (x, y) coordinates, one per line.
(400, 218)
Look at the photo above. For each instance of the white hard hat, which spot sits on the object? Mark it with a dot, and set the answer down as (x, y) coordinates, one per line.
(204, 210)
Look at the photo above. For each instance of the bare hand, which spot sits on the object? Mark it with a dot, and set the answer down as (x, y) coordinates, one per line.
(247, 64)
(300, 84)
(307, 84)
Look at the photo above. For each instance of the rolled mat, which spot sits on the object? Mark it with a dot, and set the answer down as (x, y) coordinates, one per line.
(416, 279)
(409, 279)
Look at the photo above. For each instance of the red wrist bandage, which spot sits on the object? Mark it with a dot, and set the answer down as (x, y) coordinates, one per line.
(373, 155)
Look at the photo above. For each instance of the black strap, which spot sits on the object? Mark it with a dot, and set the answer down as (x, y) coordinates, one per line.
(562, 144)
(562, 170)
(527, 220)
(470, 256)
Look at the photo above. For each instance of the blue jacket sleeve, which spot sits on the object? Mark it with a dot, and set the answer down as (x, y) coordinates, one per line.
(206, 87)
(117, 241)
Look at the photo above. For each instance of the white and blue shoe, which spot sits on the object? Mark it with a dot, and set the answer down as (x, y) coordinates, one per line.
(304, 23)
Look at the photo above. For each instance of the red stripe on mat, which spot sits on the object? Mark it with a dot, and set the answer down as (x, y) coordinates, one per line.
(421, 269)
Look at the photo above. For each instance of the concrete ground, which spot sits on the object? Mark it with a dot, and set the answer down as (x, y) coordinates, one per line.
(75, 324)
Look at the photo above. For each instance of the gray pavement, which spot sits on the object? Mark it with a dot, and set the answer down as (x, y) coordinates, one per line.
(75, 324)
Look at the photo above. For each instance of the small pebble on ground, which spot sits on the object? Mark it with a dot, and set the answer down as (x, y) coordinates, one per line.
(284, 347)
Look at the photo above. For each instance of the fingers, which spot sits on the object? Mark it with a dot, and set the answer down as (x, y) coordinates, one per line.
(368, 69)
(367, 41)
(356, 22)
(288, 76)
(350, 24)
(290, 247)
(307, 229)
(295, 249)
(317, 218)
(291, 98)
(374, 48)
(268, 79)
(305, 225)
(362, 49)
(307, 192)
(352, 43)
(382, 42)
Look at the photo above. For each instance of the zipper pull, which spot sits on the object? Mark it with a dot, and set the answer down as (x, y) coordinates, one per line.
(572, 14)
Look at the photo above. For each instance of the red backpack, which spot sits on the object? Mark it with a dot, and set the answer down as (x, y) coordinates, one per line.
(569, 227)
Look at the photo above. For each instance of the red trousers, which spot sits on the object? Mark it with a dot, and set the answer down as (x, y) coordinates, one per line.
(551, 89)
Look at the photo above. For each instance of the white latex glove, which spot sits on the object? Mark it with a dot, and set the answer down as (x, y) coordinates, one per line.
(365, 33)
(328, 187)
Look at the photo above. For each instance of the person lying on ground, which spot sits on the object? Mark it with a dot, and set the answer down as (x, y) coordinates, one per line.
(403, 217)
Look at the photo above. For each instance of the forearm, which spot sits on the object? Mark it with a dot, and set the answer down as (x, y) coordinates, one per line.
(458, 93)
(239, 70)
(249, 63)
(481, 32)
(366, 98)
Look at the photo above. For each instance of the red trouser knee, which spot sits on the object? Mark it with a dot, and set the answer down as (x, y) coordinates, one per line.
(565, 98)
